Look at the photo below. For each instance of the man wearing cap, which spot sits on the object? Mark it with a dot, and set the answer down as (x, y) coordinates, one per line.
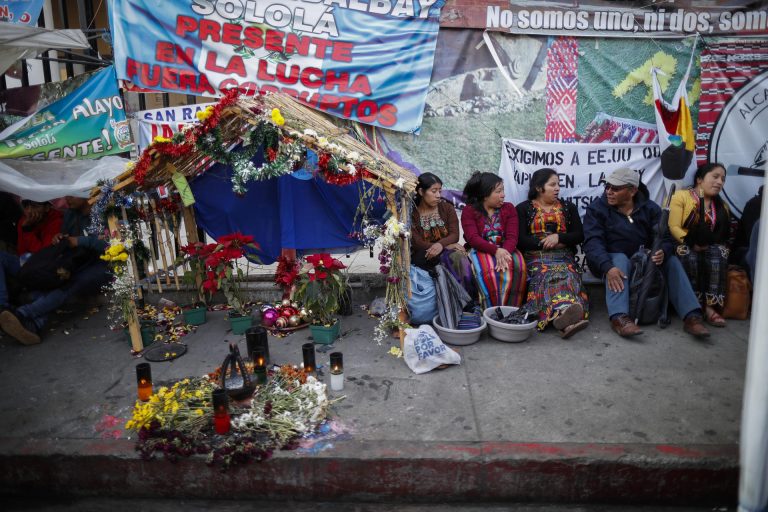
(615, 226)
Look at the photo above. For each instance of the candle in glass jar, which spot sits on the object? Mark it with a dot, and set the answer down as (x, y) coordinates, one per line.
(221, 422)
(144, 381)
(337, 371)
(308, 351)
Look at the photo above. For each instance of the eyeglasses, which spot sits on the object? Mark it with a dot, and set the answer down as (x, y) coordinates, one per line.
(617, 188)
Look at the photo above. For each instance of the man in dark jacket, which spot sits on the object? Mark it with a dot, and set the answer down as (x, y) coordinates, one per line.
(615, 226)
(25, 323)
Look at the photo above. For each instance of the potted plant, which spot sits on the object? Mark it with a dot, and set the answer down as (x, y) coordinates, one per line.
(194, 255)
(221, 273)
(319, 287)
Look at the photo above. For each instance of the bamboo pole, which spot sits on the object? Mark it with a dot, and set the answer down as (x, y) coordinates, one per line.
(169, 247)
(134, 266)
(159, 235)
(177, 233)
(152, 251)
(190, 226)
(133, 320)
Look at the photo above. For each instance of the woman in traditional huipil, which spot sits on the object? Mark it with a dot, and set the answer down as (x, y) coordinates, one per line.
(550, 230)
(490, 229)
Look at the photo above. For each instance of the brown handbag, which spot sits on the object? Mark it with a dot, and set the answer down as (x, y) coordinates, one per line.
(738, 294)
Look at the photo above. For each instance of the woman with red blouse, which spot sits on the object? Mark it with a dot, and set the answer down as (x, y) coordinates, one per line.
(490, 229)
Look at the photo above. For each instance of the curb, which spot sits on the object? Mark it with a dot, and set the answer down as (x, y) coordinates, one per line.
(386, 471)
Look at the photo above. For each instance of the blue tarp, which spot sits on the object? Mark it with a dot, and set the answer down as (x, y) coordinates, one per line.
(296, 211)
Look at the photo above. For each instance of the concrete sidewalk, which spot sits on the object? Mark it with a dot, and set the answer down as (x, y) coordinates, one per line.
(596, 418)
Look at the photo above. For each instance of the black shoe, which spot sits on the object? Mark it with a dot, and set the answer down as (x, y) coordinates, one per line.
(19, 327)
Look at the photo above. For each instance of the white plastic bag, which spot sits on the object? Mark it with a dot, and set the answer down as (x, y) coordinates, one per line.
(425, 351)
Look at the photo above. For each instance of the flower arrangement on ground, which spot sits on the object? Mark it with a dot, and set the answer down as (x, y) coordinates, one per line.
(178, 420)
(388, 238)
(221, 271)
(121, 290)
(319, 287)
(194, 256)
(286, 274)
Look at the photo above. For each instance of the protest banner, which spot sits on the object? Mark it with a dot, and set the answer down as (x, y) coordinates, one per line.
(366, 61)
(164, 122)
(88, 123)
(582, 168)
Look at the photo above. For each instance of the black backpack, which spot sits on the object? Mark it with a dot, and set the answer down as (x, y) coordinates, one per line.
(53, 266)
(644, 273)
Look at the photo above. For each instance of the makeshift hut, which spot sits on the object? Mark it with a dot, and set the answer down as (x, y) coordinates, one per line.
(237, 129)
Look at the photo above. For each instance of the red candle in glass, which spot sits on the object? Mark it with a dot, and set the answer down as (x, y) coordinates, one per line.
(221, 422)
(144, 381)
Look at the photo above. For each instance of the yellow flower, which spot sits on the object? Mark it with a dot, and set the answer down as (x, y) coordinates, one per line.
(129, 166)
(199, 412)
(123, 256)
(161, 139)
(204, 114)
(277, 117)
(395, 351)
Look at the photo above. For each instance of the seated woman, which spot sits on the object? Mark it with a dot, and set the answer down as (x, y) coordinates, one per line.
(435, 233)
(490, 229)
(700, 222)
(550, 230)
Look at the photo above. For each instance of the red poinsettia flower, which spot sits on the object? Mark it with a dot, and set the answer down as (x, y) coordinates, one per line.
(319, 260)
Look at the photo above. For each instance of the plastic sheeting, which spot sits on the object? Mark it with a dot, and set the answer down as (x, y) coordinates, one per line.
(290, 212)
(24, 42)
(43, 180)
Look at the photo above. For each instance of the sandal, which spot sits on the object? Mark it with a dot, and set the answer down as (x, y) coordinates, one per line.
(714, 319)
(572, 329)
(568, 316)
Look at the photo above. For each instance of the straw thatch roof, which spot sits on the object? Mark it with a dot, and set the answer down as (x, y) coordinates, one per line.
(238, 118)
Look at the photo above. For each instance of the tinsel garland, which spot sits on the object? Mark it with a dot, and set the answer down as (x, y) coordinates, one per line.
(100, 209)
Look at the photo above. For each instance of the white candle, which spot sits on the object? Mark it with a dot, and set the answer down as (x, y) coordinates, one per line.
(337, 381)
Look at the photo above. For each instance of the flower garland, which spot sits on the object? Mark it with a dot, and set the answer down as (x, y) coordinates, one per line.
(187, 140)
(121, 290)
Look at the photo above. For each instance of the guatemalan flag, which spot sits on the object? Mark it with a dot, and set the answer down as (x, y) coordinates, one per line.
(675, 126)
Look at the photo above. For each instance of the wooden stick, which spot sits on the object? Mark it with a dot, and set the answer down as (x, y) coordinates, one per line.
(169, 246)
(177, 232)
(159, 234)
(190, 226)
(133, 320)
(134, 266)
(153, 252)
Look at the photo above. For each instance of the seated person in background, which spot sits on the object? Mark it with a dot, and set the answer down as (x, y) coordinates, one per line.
(36, 229)
(435, 233)
(700, 222)
(615, 226)
(490, 229)
(24, 323)
(37, 226)
(750, 225)
(10, 213)
(550, 231)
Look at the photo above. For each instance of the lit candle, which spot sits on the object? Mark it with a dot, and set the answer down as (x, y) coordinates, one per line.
(337, 371)
(256, 337)
(221, 422)
(259, 366)
(308, 351)
(144, 381)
